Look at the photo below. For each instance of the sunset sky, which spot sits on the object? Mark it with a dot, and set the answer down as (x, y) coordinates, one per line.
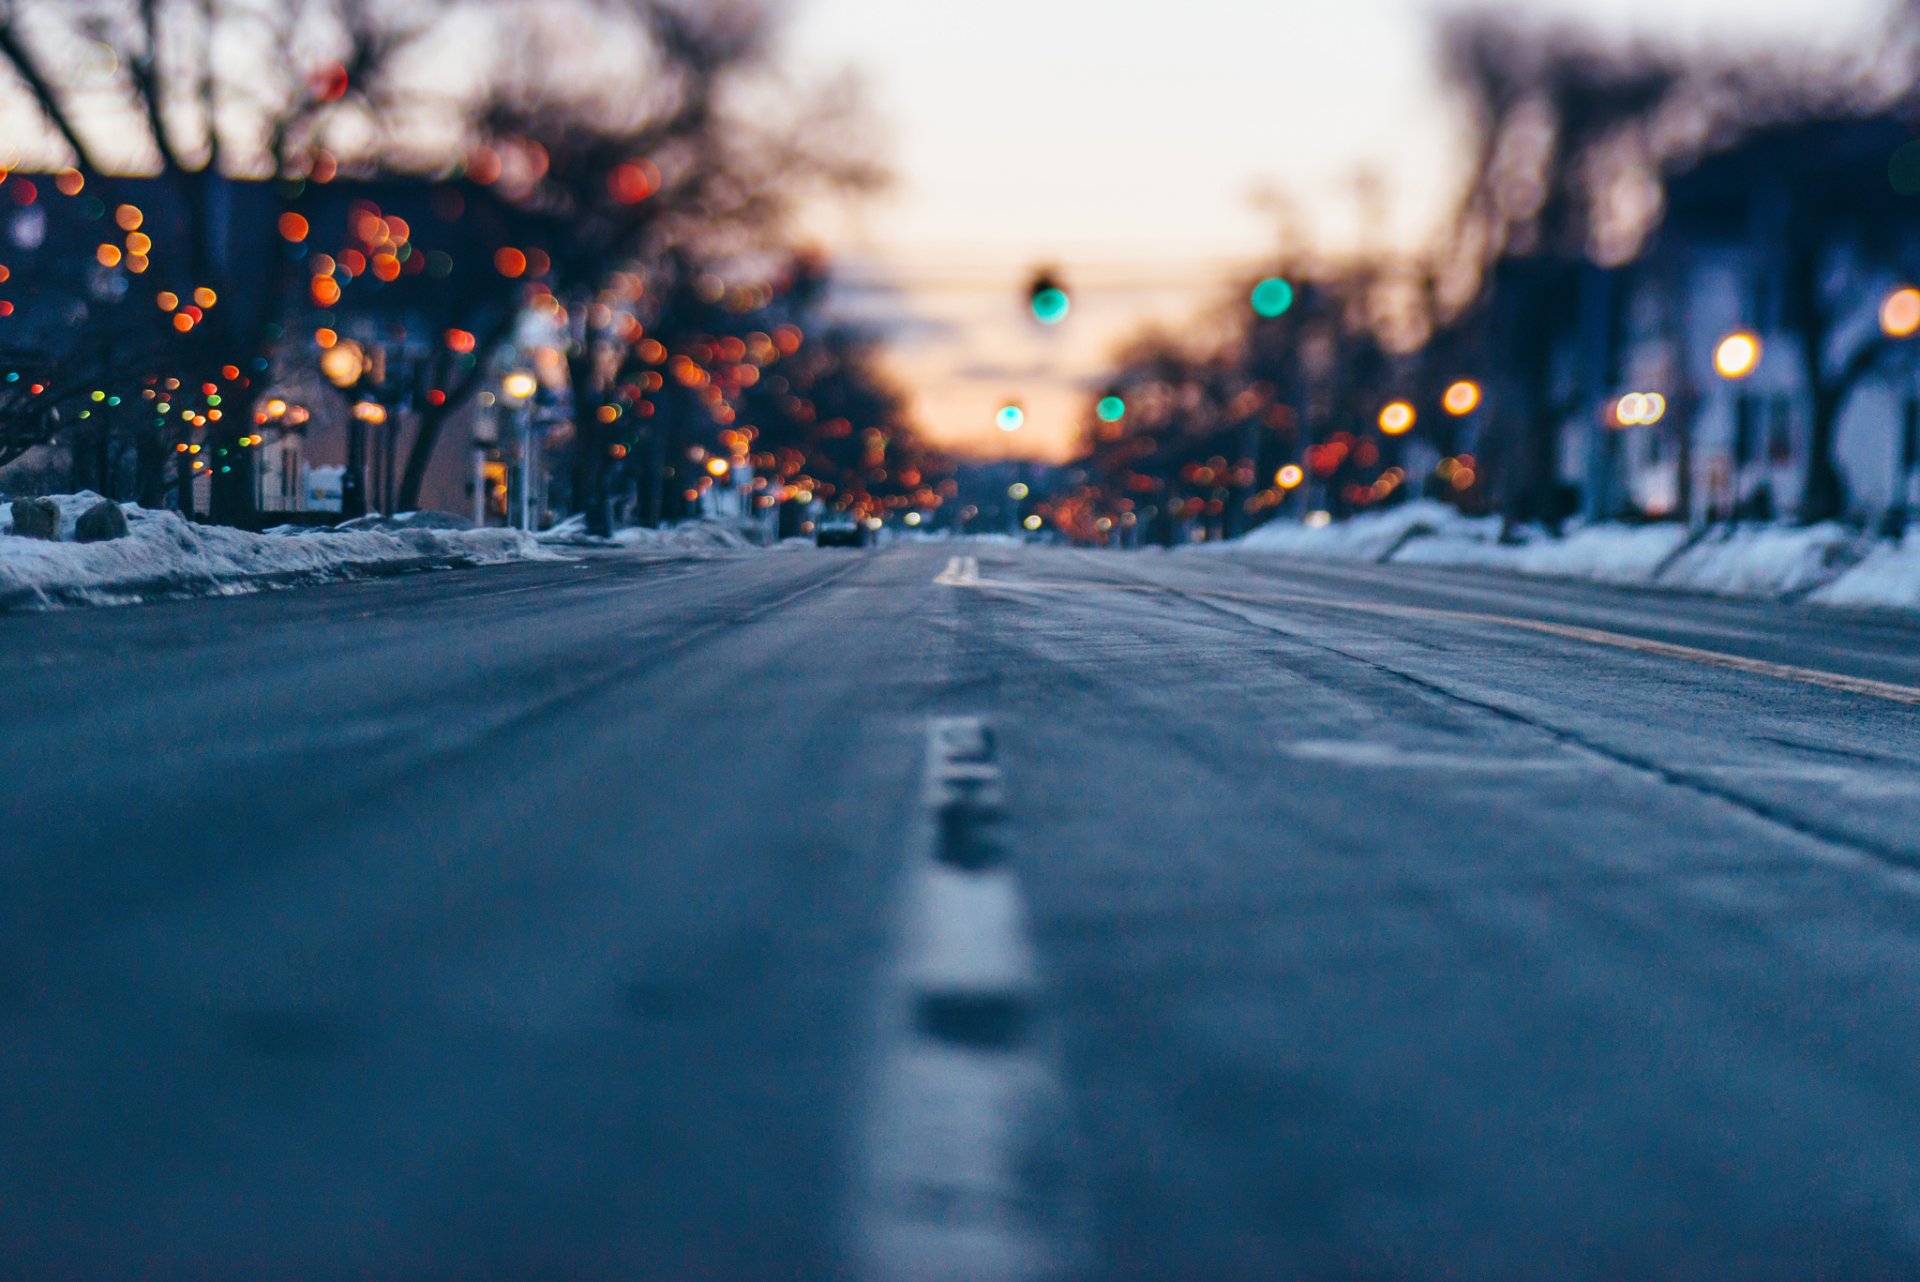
(1129, 143)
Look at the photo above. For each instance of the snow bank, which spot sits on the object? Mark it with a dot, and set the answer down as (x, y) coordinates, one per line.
(689, 537)
(408, 521)
(1430, 533)
(1601, 553)
(1373, 537)
(1890, 575)
(166, 555)
(1830, 563)
(1765, 560)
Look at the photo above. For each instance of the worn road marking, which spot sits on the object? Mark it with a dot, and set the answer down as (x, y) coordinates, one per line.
(964, 1130)
(961, 572)
(972, 934)
(1872, 689)
(1858, 781)
(1387, 756)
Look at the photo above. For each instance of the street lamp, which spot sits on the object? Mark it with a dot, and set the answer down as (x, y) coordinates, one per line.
(1462, 399)
(1735, 359)
(1397, 419)
(519, 387)
(1900, 319)
(344, 365)
(1639, 409)
(1900, 313)
(1737, 356)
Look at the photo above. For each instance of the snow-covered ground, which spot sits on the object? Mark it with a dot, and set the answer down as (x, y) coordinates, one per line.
(691, 537)
(165, 555)
(1828, 564)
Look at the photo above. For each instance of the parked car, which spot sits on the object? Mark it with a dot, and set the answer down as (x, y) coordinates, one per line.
(839, 532)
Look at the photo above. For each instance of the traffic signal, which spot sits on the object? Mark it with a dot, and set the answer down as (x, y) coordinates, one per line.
(1272, 298)
(1047, 298)
(1011, 417)
(1111, 409)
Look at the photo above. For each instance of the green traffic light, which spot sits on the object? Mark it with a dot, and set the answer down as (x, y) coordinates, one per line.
(1011, 418)
(1111, 409)
(1051, 305)
(1272, 298)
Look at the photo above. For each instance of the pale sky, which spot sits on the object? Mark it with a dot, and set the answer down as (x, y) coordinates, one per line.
(1127, 142)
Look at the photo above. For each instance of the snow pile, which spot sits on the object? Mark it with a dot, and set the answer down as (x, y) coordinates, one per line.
(1430, 533)
(1373, 537)
(1602, 553)
(1830, 563)
(409, 521)
(691, 537)
(166, 555)
(1767, 560)
(1890, 575)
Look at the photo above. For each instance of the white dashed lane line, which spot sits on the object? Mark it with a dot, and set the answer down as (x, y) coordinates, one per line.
(964, 1160)
(961, 571)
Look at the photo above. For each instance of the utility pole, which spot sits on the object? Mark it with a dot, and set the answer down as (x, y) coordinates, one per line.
(527, 481)
(480, 483)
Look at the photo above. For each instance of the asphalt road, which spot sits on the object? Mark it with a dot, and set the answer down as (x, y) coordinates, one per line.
(585, 921)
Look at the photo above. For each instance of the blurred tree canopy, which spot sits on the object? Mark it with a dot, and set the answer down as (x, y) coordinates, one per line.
(430, 185)
(1598, 167)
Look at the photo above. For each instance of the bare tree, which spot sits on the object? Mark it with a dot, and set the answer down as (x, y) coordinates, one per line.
(180, 100)
(1560, 123)
(657, 155)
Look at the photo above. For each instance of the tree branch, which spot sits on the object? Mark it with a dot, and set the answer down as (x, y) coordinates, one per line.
(27, 67)
(144, 68)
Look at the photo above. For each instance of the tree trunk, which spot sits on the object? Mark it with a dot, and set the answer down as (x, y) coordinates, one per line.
(232, 471)
(183, 481)
(1825, 495)
(589, 447)
(150, 469)
(103, 459)
(353, 481)
(653, 496)
(426, 435)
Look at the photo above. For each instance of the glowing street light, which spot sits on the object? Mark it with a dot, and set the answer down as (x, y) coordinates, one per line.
(1397, 419)
(1900, 313)
(1290, 477)
(1640, 409)
(518, 387)
(343, 364)
(1737, 356)
(1462, 399)
(1899, 319)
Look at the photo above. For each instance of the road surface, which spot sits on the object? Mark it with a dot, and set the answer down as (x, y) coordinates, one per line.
(1015, 913)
